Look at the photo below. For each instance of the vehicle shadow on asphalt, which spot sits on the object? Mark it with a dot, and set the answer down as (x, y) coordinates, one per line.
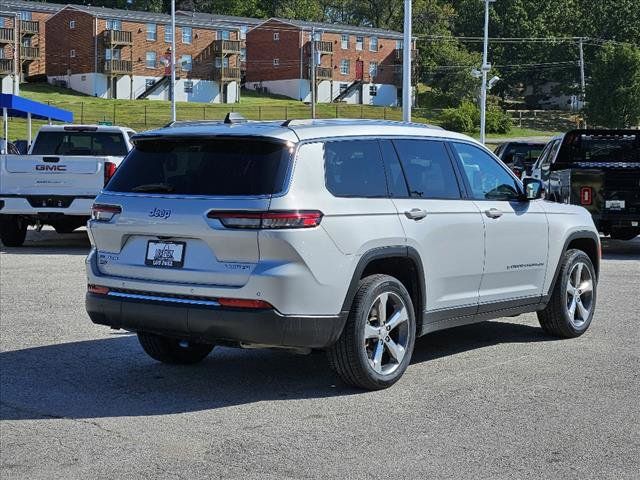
(620, 249)
(112, 377)
(48, 242)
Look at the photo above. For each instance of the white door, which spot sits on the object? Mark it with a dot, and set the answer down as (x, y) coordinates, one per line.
(516, 230)
(446, 230)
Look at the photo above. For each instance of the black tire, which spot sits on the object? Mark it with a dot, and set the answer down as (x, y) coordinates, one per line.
(13, 230)
(557, 319)
(173, 351)
(625, 233)
(349, 355)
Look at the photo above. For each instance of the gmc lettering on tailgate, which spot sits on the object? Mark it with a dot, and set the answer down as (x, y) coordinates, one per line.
(51, 168)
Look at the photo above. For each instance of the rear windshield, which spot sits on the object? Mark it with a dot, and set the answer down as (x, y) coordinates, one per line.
(528, 153)
(212, 167)
(586, 148)
(80, 143)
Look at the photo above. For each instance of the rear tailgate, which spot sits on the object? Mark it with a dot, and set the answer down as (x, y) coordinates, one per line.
(607, 191)
(52, 175)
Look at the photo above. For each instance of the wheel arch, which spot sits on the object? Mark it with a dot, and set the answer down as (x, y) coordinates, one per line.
(584, 240)
(401, 262)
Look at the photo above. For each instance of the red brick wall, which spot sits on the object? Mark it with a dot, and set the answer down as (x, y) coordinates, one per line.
(61, 40)
(34, 67)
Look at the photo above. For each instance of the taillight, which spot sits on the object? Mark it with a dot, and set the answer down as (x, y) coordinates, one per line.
(97, 289)
(109, 170)
(104, 213)
(244, 303)
(586, 196)
(268, 220)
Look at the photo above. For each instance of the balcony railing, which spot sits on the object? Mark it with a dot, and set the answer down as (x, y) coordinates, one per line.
(29, 53)
(227, 47)
(117, 67)
(324, 47)
(226, 74)
(118, 37)
(400, 53)
(6, 35)
(323, 73)
(29, 27)
(6, 66)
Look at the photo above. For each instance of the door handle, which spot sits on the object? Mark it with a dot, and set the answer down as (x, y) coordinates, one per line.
(493, 213)
(416, 214)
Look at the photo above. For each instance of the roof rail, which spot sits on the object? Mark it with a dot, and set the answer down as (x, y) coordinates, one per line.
(234, 117)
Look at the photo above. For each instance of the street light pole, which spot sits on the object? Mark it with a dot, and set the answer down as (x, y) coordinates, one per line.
(406, 63)
(312, 73)
(485, 70)
(173, 60)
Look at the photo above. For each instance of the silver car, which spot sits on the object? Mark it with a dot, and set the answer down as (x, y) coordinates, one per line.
(353, 237)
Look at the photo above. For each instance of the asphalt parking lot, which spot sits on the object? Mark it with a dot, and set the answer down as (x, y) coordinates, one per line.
(494, 400)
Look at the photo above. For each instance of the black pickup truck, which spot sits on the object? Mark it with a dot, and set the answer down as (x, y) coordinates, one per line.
(599, 170)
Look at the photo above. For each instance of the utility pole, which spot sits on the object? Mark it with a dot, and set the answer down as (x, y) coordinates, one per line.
(583, 94)
(312, 74)
(485, 70)
(173, 60)
(406, 63)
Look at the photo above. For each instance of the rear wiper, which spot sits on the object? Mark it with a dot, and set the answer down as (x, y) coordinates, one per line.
(154, 187)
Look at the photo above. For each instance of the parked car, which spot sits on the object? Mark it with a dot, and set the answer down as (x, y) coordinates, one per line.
(520, 156)
(353, 237)
(600, 171)
(56, 183)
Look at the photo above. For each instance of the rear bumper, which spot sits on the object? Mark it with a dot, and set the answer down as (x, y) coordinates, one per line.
(19, 205)
(616, 220)
(212, 324)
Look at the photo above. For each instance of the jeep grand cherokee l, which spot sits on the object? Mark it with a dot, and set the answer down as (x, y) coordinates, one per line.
(354, 237)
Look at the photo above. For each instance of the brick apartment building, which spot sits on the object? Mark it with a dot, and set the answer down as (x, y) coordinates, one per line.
(125, 54)
(353, 64)
(29, 29)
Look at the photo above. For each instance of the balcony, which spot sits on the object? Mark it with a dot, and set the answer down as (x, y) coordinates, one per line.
(29, 27)
(29, 53)
(226, 74)
(400, 53)
(322, 73)
(324, 48)
(6, 66)
(6, 35)
(227, 47)
(117, 67)
(116, 38)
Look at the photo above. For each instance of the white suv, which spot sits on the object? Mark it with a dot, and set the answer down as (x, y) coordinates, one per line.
(354, 237)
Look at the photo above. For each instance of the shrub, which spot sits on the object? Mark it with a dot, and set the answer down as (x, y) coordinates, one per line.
(498, 121)
(462, 118)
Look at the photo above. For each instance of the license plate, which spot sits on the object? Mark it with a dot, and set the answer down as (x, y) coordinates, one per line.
(614, 204)
(165, 254)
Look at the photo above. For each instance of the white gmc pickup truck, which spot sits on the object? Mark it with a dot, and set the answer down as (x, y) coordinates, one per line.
(56, 183)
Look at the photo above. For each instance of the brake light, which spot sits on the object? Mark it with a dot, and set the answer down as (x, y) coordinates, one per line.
(586, 196)
(97, 289)
(244, 303)
(104, 213)
(109, 170)
(268, 220)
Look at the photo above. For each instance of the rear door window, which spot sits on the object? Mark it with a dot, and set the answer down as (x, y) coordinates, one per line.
(210, 167)
(354, 168)
(111, 144)
(428, 169)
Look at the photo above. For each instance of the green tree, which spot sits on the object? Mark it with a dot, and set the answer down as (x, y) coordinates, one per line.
(613, 94)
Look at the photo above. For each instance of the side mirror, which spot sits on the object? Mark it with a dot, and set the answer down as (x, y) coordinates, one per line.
(534, 188)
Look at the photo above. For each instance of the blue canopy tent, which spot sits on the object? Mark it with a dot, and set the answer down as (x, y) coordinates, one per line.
(16, 106)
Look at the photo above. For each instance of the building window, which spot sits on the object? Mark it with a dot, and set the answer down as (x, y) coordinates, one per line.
(373, 69)
(359, 43)
(25, 15)
(112, 54)
(168, 34)
(26, 42)
(344, 42)
(150, 60)
(114, 25)
(72, 24)
(188, 86)
(276, 62)
(373, 90)
(223, 63)
(225, 35)
(345, 65)
(186, 35)
(72, 53)
(399, 44)
(276, 36)
(152, 32)
(186, 62)
(343, 87)
(243, 54)
(1, 53)
(243, 32)
(148, 82)
(373, 44)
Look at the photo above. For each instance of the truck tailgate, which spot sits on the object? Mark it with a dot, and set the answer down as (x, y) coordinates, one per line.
(612, 190)
(52, 175)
